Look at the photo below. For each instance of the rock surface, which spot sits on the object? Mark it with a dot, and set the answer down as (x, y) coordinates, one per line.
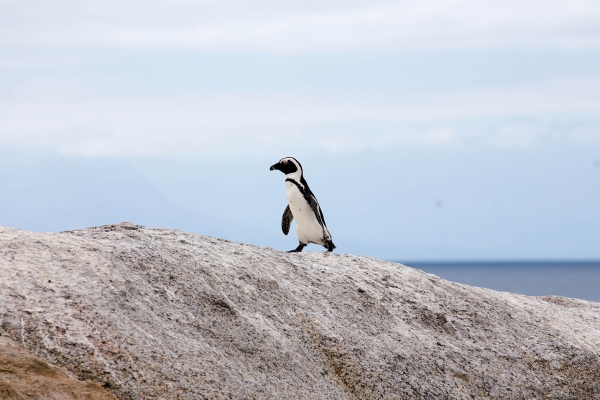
(160, 313)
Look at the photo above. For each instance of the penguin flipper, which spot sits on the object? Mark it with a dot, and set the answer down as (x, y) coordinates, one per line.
(286, 220)
(316, 209)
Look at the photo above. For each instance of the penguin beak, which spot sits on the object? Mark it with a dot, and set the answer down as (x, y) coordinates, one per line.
(275, 166)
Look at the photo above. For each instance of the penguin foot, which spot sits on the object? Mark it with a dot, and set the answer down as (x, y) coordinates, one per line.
(297, 249)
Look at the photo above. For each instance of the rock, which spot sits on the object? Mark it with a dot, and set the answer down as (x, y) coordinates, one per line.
(24, 376)
(161, 313)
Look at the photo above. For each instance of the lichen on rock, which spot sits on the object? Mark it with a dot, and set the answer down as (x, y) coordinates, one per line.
(24, 376)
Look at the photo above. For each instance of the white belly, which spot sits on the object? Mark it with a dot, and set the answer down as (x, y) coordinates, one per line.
(308, 228)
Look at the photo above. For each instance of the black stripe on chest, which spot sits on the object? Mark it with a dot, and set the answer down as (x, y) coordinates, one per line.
(300, 188)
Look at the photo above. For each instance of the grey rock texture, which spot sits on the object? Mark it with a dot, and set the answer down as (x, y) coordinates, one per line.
(160, 313)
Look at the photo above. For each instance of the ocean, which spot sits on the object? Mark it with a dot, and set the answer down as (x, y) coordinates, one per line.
(578, 279)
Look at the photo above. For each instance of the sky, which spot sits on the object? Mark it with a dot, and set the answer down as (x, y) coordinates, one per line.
(440, 130)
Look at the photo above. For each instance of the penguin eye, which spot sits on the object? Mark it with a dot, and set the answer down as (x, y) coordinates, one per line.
(284, 161)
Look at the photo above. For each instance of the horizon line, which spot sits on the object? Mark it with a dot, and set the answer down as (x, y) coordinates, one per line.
(473, 262)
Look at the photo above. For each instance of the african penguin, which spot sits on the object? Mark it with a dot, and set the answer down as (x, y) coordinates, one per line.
(302, 206)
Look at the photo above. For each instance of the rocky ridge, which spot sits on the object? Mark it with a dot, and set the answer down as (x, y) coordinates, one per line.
(165, 314)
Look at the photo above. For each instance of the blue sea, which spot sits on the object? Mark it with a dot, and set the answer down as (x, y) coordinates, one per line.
(578, 279)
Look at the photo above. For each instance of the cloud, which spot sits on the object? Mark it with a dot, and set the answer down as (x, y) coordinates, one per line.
(518, 134)
(587, 133)
(75, 120)
(308, 26)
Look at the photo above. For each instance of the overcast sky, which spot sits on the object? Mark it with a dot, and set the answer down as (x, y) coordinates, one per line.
(224, 83)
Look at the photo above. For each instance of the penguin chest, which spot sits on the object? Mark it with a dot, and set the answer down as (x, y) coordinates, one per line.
(308, 228)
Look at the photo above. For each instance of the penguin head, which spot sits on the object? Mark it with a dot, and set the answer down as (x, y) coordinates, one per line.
(289, 166)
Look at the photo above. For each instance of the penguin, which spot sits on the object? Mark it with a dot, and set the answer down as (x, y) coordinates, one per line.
(303, 207)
